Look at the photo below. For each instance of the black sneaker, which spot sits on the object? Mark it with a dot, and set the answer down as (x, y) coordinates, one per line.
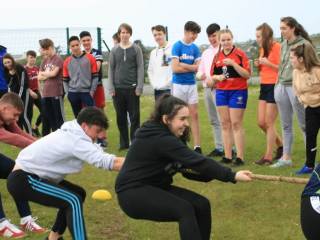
(198, 150)
(216, 153)
(279, 153)
(225, 160)
(238, 162)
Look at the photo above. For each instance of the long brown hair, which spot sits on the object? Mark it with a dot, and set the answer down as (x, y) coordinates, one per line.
(307, 52)
(298, 28)
(267, 38)
(9, 56)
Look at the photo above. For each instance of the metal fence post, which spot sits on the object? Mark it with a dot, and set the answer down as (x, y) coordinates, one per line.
(68, 36)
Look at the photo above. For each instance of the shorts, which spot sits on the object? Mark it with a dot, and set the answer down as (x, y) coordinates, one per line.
(232, 98)
(267, 93)
(187, 93)
(99, 97)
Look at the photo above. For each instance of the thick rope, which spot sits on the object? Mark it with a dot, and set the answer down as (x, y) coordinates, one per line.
(280, 179)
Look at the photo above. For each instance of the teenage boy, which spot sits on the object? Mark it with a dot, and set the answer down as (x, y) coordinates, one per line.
(50, 75)
(11, 107)
(38, 175)
(35, 96)
(80, 76)
(99, 96)
(209, 90)
(125, 84)
(159, 69)
(185, 62)
(86, 42)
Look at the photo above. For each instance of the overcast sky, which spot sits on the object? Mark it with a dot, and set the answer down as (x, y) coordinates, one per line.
(242, 17)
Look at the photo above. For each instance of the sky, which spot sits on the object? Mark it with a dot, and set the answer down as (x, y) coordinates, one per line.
(242, 17)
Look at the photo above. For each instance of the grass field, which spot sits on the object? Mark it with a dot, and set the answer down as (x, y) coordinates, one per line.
(242, 211)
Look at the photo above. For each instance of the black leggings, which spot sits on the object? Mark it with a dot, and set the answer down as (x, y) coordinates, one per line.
(65, 196)
(37, 103)
(312, 129)
(191, 210)
(6, 166)
(310, 220)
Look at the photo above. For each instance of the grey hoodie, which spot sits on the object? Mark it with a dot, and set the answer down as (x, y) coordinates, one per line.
(126, 68)
(63, 152)
(285, 67)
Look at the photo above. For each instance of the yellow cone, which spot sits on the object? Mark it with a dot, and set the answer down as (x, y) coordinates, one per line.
(101, 195)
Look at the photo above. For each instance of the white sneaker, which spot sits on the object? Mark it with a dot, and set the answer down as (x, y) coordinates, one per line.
(29, 224)
(282, 163)
(9, 230)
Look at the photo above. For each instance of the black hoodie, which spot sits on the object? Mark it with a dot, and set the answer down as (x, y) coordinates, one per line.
(156, 155)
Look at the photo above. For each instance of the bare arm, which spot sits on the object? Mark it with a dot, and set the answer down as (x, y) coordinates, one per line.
(48, 74)
(178, 67)
(117, 164)
(242, 71)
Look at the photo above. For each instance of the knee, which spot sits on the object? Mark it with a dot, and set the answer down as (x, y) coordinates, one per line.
(226, 125)
(81, 194)
(262, 125)
(237, 126)
(203, 205)
(185, 210)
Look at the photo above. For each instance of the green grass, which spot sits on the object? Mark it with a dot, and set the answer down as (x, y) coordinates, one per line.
(242, 211)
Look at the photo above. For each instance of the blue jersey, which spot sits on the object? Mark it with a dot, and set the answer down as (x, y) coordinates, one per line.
(313, 186)
(3, 82)
(189, 54)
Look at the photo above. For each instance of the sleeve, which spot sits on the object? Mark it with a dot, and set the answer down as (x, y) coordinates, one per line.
(197, 54)
(150, 68)
(206, 168)
(275, 54)
(93, 154)
(294, 82)
(140, 70)
(175, 53)
(245, 61)
(111, 71)
(94, 73)
(201, 67)
(99, 56)
(65, 72)
(15, 136)
(23, 82)
(58, 63)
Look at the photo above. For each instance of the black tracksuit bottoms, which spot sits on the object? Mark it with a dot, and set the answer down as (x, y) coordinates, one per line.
(310, 219)
(65, 196)
(191, 210)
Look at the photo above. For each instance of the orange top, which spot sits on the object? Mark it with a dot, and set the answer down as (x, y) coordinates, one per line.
(269, 75)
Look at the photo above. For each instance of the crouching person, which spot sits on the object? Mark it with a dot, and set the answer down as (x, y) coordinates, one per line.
(40, 169)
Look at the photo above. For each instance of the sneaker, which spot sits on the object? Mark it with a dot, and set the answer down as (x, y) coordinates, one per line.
(263, 161)
(282, 163)
(279, 153)
(198, 150)
(238, 162)
(225, 160)
(30, 225)
(216, 153)
(9, 230)
(305, 170)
